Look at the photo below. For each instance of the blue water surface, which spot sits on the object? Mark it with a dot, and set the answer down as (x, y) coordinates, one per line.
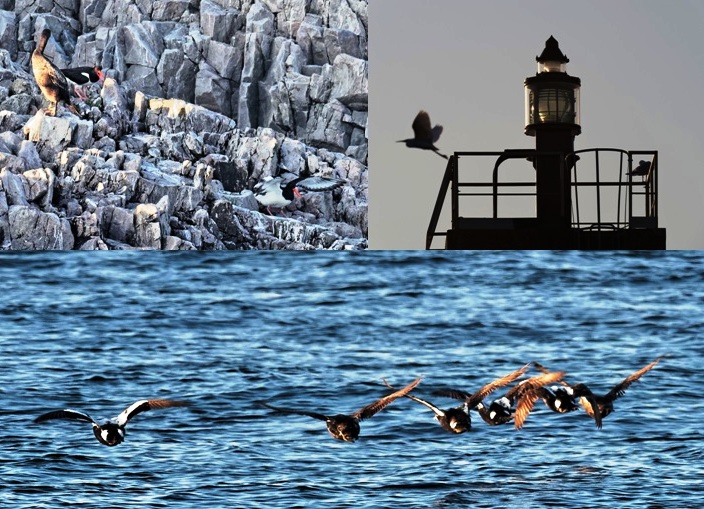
(318, 331)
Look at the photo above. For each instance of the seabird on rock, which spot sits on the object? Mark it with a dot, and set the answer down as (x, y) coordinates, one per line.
(346, 427)
(424, 137)
(112, 432)
(82, 76)
(50, 79)
(278, 192)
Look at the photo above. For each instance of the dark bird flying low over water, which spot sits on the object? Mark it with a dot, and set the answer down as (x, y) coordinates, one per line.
(50, 79)
(346, 427)
(458, 420)
(424, 137)
(112, 432)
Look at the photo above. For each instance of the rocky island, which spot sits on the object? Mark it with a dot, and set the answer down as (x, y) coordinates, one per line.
(202, 101)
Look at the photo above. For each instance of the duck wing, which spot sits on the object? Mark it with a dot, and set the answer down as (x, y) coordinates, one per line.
(144, 405)
(373, 408)
(482, 393)
(437, 411)
(66, 414)
(620, 388)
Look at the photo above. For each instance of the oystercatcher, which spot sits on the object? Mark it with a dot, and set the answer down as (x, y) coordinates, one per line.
(278, 193)
(82, 76)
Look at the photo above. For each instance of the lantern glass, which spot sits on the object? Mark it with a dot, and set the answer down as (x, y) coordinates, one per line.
(552, 66)
(552, 104)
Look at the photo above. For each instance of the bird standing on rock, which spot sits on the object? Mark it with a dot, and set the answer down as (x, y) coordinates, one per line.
(424, 137)
(50, 79)
(276, 192)
(82, 76)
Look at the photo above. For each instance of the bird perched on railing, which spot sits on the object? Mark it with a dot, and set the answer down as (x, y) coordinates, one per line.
(82, 76)
(424, 137)
(642, 170)
(50, 79)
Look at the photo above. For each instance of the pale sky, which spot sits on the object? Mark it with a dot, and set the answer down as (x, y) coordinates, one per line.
(641, 63)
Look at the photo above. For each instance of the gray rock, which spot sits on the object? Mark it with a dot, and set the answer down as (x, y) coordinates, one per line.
(177, 75)
(39, 187)
(212, 90)
(8, 32)
(169, 10)
(325, 127)
(117, 224)
(260, 20)
(28, 152)
(32, 229)
(13, 188)
(225, 59)
(145, 79)
(141, 45)
(218, 23)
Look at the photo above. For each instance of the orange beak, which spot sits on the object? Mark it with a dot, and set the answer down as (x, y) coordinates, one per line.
(295, 191)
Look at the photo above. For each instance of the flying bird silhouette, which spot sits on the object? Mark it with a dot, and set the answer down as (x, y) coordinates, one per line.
(112, 432)
(424, 137)
(346, 427)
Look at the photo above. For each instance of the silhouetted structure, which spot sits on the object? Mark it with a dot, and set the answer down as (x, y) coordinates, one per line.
(557, 182)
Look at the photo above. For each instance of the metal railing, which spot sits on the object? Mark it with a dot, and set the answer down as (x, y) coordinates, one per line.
(627, 189)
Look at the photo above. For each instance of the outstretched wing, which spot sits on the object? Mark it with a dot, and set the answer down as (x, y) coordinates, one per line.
(524, 406)
(545, 370)
(317, 184)
(620, 389)
(437, 131)
(369, 410)
(65, 414)
(421, 127)
(482, 393)
(147, 404)
(280, 410)
(437, 411)
(453, 393)
(532, 384)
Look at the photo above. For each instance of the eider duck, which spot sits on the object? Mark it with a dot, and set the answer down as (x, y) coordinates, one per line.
(458, 420)
(563, 398)
(346, 427)
(112, 432)
(605, 404)
(82, 76)
(50, 79)
(521, 397)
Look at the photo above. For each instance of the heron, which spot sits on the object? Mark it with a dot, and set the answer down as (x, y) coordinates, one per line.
(424, 137)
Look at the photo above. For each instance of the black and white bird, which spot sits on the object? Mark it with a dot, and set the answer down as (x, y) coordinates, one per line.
(81, 76)
(424, 137)
(50, 79)
(518, 401)
(112, 432)
(457, 420)
(346, 427)
(605, 403)
(278, 192)
(564, 398)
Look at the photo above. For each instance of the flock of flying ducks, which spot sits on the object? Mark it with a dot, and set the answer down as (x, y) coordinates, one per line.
(515, 405)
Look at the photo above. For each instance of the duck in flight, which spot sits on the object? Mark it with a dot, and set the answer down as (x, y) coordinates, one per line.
(346, 427)
(112, 432)
(457, 420)
(424, 137)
